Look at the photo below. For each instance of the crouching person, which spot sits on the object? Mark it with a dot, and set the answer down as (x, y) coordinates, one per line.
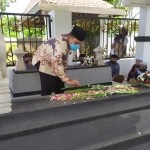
(142, 69)
(134, 68)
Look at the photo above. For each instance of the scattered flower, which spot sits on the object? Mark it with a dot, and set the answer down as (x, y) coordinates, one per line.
(93, 91)
(144, 78)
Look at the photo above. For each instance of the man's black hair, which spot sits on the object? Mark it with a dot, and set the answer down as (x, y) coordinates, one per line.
(82, 55)
(27, 55)
(114, 56)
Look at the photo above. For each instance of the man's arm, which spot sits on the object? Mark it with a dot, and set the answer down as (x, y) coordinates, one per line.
(113, 45)
(117, 71)
(58, 67)
(131, 72)
(134, 77)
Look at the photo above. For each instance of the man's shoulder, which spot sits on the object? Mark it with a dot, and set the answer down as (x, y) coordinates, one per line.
(117, 64)
(107, 63)
(58, 39)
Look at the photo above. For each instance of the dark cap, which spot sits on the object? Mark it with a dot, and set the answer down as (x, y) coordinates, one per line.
(114, 56)
(78, 33)
(27, 55)
(82, 55)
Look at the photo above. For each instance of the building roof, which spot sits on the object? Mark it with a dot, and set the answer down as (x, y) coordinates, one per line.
(31, 5)
(80, 6)
(87, 3)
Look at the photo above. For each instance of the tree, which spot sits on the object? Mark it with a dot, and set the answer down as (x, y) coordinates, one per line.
(5, 3)
(119, 4)
(116, 3)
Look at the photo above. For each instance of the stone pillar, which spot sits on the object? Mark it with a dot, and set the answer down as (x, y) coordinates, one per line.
(5, 101)
(99, 52)
(143, 39)
(2, 54)
(1, 76)
(19, 65)
(61, 25)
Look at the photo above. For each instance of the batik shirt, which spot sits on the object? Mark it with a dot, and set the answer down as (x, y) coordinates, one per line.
(53, 57)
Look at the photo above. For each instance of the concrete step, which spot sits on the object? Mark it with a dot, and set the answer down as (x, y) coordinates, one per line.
(119, 132)
(101, 123)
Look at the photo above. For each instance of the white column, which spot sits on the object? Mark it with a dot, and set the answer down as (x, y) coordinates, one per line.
(2, 54)
(61, 24)
(5, 101)
(103, 34)
(142, 48)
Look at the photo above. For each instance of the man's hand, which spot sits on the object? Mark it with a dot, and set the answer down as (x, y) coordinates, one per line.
(30, 63)
(65, 69)
(73, 82)
(133, 81)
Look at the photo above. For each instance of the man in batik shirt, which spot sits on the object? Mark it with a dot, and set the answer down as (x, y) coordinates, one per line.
(51, 60)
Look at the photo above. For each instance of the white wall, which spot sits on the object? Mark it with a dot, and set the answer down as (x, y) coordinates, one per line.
(61, 22)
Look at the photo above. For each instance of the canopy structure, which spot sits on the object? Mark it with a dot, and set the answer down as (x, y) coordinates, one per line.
(80, 6)
(136, 3)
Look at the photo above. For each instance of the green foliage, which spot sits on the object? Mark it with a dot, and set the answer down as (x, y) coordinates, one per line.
(12, 27)
(116, 3)
(5, 3)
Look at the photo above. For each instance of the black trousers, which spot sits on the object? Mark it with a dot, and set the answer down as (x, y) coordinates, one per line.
(50, 84)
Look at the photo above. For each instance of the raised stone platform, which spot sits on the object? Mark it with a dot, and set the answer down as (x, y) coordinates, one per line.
(91, 75)
(28, 83)
(24, 83)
